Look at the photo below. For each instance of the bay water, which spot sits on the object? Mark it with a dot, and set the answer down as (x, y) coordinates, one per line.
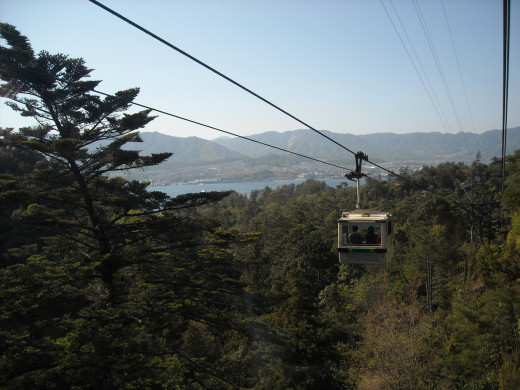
(243, 188)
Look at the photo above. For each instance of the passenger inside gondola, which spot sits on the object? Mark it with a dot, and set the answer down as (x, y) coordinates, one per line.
(355, 238)
(361, 235)
(370, 237)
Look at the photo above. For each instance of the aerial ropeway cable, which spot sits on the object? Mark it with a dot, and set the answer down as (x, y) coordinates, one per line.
(250, 92)
(505, 90)
(215, 71)
(228, 132)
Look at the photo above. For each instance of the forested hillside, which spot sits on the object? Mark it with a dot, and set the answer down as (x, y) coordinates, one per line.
(442, 314)
(105, 285)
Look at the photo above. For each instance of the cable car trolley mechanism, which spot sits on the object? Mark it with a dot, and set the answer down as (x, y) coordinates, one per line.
(364, 236)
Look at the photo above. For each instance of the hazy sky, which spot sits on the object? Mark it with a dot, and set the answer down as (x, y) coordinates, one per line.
(337, 65)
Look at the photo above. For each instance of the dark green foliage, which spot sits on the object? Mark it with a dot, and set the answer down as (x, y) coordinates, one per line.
(101, 279)
(512, 190)
(106, 285)
(402, 326)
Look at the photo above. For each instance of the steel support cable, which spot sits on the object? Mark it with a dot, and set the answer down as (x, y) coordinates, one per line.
(245, 89)
(204, 125)
(421, 65)
(254, 94)
(505, 86)
(405, 178)
(248, 139)
(268, 145)
(200, 124)
(414, 66)
(239, 136)
(228, 132)
(458, 65)
(436, 60)
(215, 71)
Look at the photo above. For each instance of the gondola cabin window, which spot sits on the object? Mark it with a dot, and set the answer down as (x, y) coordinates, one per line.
(365, 237)
(362, 235)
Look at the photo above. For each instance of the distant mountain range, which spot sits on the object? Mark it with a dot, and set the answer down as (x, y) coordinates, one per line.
(418, 149)
(380, 147)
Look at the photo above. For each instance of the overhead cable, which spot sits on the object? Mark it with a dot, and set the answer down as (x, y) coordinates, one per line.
(420, 64)
(405, 179)
(436, 60)
(201, 124)
(215, 71)
(458, 65)
(266, 144)
(228, 132)
(415, 67)
(245, 138)
(505, 86)
(247, 90)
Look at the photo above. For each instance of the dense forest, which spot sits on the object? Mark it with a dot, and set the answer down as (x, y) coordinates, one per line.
(106, 285)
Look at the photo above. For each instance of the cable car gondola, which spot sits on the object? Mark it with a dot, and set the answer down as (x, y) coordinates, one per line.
(364, 236)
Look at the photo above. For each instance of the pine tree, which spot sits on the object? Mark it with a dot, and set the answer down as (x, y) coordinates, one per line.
(102, 294)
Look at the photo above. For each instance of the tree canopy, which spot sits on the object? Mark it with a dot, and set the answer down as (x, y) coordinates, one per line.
(107, 285)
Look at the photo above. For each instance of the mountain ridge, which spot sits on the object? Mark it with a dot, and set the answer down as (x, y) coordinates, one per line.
(238, 159)
(462, 146)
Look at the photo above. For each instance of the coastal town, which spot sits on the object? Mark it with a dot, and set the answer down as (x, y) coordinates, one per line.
(237, 171)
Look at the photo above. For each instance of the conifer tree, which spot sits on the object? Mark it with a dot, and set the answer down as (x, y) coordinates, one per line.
(103, 293)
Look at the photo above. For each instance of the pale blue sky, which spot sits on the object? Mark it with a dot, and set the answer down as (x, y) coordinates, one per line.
(336, 65)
